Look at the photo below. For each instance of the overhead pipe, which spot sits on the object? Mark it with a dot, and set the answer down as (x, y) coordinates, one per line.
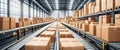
(40, 6)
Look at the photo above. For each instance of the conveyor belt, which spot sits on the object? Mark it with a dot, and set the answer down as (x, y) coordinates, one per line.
(21, 43)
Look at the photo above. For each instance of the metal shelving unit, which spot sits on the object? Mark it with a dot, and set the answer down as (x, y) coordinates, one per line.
(13, 36)
(96, 42)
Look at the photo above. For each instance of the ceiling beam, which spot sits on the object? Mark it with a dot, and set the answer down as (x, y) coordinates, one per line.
(48, 5)
(40, 6)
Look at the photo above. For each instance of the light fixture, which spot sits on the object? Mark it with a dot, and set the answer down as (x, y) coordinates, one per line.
(71, 3)
(48, 5)
(57, 4)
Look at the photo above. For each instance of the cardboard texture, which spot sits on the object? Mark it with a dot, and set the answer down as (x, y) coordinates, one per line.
(117, 3)
(111, 33)
(103, 5)
(50, 34)
(12, 23)
(85, 27)
(117, 19)
(110, 4)
(107, 19)
(92, 29)
(19, 24)
(98, 6)
(65, 35)
(4, 23)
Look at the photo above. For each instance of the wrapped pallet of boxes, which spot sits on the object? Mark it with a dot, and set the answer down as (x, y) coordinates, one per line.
(38, 43)
(98, 6)
(19, 24)
(103, 5)
(70, 44)
(66, 35)
(12, 23)
(110, 4)
(117, 19)
(111, 33)
(117, 3)
(4, 23)
(50, 34)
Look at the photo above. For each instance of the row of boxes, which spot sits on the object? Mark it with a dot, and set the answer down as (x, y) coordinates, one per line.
(98, 6)
(67, 42)
(104, 29)
(10, 23)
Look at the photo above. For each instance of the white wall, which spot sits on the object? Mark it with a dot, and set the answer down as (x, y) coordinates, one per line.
(61, 13)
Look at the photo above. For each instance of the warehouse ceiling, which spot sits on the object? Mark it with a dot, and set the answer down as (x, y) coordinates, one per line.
(62, 4)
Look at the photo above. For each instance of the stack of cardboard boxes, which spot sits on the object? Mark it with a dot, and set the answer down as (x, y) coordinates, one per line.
(4, 23)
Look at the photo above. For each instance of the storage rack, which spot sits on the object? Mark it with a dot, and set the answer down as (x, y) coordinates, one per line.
(96, 42)
(107, 12)
(13, 36)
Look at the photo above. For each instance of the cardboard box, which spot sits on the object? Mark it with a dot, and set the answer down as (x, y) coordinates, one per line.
(4, 23)
(37, 45)
(86, 10)
(117, 19)
(50, 34)
(51, 29)
(21, 19)
(100, 19)
(85, 27)
(117, 3)
(80, 25)
(107, 19)
(69, 40)
(19, 24)
(111, 33)
(99, 29)
(63, 30)
(92, 29)
(71, 46)
(92, 19)
(91, 7)
(12, 23)
(65, 35)
(103, 5)
(98, 6)
(110, 4)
